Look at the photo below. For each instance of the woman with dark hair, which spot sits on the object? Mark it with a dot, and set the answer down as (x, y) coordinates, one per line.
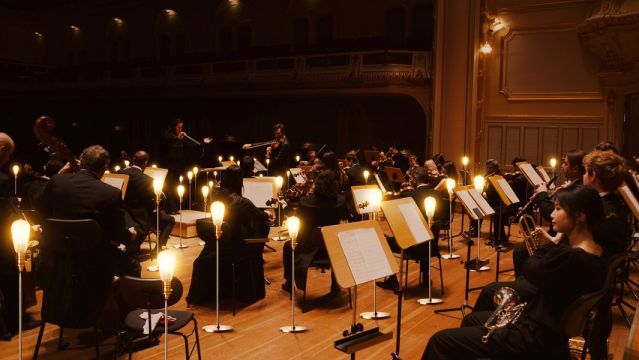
(556, 274)
(242, 220)
(326, 206)
(329, 162)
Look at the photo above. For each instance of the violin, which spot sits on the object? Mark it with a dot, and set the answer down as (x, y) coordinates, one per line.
(56, 148)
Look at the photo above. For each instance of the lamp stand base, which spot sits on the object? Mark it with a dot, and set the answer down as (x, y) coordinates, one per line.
(431, 301)
(217, 328)
(293, 329)
(374, 315)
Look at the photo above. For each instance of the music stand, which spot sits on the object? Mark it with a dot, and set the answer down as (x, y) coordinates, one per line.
(471, 200)
(530, 173)
(118, 181)
(508, 197)
(544, 175)
(467, 265)
(404, 218)
(370, 156)
(394, 174)
(358, 253)
(630, 200)
(361, 197)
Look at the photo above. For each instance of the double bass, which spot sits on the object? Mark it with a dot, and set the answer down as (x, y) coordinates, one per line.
(55, 147)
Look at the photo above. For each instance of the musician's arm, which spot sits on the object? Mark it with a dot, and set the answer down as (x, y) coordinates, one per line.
(545, 267)
(545, 204)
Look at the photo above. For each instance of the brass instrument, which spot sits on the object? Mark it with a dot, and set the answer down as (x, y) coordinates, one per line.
(509, 309)
(531, 233)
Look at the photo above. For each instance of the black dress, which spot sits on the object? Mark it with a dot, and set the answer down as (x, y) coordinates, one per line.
(561, 275)
(242, 220)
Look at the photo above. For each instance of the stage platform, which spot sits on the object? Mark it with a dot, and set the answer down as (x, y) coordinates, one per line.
(188, 219)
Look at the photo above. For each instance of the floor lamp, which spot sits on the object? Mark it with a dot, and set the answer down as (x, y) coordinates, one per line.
(20, 230)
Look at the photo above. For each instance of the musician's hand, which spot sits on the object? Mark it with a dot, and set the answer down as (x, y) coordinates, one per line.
(246, 146)
(68, 168)
(271, 214)
(275, 145)
(181, 135)
(207, 140)
(133, 232)
(36, 228)
(546, 237)
(541, 188)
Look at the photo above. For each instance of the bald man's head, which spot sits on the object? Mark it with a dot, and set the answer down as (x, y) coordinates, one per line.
(6, 148)
(141, 158)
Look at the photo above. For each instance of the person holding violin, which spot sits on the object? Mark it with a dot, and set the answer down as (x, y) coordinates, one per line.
(279, 153)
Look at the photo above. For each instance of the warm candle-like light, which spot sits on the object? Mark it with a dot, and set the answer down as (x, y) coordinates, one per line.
(181, 178)
(278, 182)
(232, 158)
(479, 183)
(366, 175)
(205, 191)
(553, 163)
(189, 175)
(486, 48)
(376, 199)
(20, 230)
(219, 159)
(211, 184)
(154, 166)
(288, 174)
(450, 185)
(16, 170)
(195, 170)
(180, 191)
(116, 168)
(297, 158)
(217, 212)
(429, 205)
(267, 161)
(465, 161)
(157, 187)
(127, 163)
(293, 224)
(166, 262)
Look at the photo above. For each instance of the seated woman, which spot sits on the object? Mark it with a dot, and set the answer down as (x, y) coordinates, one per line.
(324, 207)
(241, 220)
(559, 273)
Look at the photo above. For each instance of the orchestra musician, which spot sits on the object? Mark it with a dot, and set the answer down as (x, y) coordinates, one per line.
(573, 169)
(325, 206)
(177, 143)
(557, 275)
(503, 212)
(82, 195)
(242, 220)
(140, 204)
(33, 189)
(279, 152)
(354, 170)
(247, 165)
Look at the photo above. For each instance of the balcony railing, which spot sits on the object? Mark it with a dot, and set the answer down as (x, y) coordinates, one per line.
(365, 68)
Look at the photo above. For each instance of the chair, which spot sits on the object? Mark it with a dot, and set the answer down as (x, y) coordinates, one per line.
(578, 318)
(416, 253)
(146, 295)
(78, 277)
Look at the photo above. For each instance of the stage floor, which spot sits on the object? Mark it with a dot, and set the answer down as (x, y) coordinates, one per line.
(257, 335)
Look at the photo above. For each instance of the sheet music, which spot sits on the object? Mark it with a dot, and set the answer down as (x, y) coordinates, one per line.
(545, 176)
(380, 184)
(483, 204)
(364, 254)
(510, 194)
(156, 173)
(116, 182)
(361, 196)
(465, 197)
(410, 212)
(259, 192)
(296, 173)
(631, 200)
(531, 174)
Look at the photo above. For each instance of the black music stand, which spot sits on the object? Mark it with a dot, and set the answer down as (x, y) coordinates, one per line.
(467, 265)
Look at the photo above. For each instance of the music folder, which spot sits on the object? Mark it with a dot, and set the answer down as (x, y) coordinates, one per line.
(530, 173)
(260, 190)
(362, 195)
(473, 201)
(406, 222)
(156, 173)
(118, 181)
(504, 190)
(394, 174)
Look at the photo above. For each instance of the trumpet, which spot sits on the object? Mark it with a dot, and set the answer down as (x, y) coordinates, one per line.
(509, 309)
(531, 233)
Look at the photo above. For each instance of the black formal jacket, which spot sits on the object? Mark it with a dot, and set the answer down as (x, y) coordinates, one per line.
(280, 158)
(614, 231)
(355, 175)
(139, 201)
(442, 211)
(83, 195)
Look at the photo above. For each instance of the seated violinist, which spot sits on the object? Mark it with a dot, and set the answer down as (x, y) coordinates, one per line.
(556, 275)
(242, 220)
(326, 206)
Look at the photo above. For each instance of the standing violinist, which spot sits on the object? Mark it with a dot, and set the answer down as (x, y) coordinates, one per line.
(279, 153)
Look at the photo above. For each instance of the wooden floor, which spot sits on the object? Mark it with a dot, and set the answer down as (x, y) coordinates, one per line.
(257, 335)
